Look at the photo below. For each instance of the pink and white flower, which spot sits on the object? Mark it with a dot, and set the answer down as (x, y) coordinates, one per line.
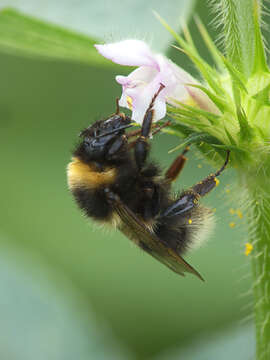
(142, 84)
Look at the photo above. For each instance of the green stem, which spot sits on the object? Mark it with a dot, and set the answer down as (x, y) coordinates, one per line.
(259, 233)
(237, 18)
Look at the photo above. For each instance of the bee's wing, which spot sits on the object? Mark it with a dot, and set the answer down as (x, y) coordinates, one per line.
(136, 230)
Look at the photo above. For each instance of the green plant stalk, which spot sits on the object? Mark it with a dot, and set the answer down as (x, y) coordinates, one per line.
(236, 16)
(259, 235)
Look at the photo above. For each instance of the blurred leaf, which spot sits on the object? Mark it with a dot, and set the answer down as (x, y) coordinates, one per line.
(235, 343)
(100, 19)
(43, 317)
(23, 35)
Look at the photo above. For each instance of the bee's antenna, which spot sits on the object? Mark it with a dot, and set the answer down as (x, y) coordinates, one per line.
(117, 107)
(224, 165)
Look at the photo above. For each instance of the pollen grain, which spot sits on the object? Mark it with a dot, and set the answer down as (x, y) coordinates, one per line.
(249, 248)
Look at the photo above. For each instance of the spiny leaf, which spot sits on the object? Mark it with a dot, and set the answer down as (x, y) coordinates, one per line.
(208, 73)
(194, 111)
(236, 17)
(260, 63)
(197, 138)
(231, 139)
(189, 120)
(181, 129)
(236, 76)
(246, 132)
(235, 149)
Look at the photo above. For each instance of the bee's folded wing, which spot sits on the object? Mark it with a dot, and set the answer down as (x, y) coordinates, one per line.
(136, 230)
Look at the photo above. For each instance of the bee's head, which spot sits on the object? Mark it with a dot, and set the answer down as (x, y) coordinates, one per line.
(99, 140)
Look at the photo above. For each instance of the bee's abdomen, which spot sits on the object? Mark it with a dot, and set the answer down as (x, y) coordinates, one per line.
(184, 232)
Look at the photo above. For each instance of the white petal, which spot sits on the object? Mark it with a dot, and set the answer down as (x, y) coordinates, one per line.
(143, 73)
(142, 99)
(159, 109)
(128, 52)
(141, 76)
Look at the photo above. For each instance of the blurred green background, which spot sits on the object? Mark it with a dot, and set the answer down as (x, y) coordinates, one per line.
(69, 289)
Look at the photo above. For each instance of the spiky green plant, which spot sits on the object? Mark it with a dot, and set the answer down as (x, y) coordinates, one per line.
(239, 86)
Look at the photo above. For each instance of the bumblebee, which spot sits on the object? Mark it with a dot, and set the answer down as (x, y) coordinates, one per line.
(113, 181)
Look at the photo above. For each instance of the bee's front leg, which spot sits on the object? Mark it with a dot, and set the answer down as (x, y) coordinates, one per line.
(142, 146)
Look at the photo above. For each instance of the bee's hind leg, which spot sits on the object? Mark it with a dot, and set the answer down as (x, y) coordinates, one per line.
(205, 186)
(189, 199)
(177, 166)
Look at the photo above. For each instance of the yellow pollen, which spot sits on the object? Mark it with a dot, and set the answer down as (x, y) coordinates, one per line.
(232, 211)
(129, 102)
(228, 191)
(190, 221)
(232, 224)
(239, 213)
(216, 181)
(249, 248)
(199, 166)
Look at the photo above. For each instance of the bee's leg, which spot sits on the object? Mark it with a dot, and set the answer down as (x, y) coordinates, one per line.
(189, 199)
(141, 146)
(205, 186)
(177, 166)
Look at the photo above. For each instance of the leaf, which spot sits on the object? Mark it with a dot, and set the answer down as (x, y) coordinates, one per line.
(216, 55)
(194, 111)
(246, 131)
(231, 139)
(99, 20)
(24, 35)
(260, 63)
(197, 138)
(233, 342)
(235, 149)
(182, 129)
(236, 76)
(236, 18)
(263, 96)
(47, 295)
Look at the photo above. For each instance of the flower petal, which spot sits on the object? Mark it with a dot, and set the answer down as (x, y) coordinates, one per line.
(141, 99)
(143, 74)
(128, 52)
